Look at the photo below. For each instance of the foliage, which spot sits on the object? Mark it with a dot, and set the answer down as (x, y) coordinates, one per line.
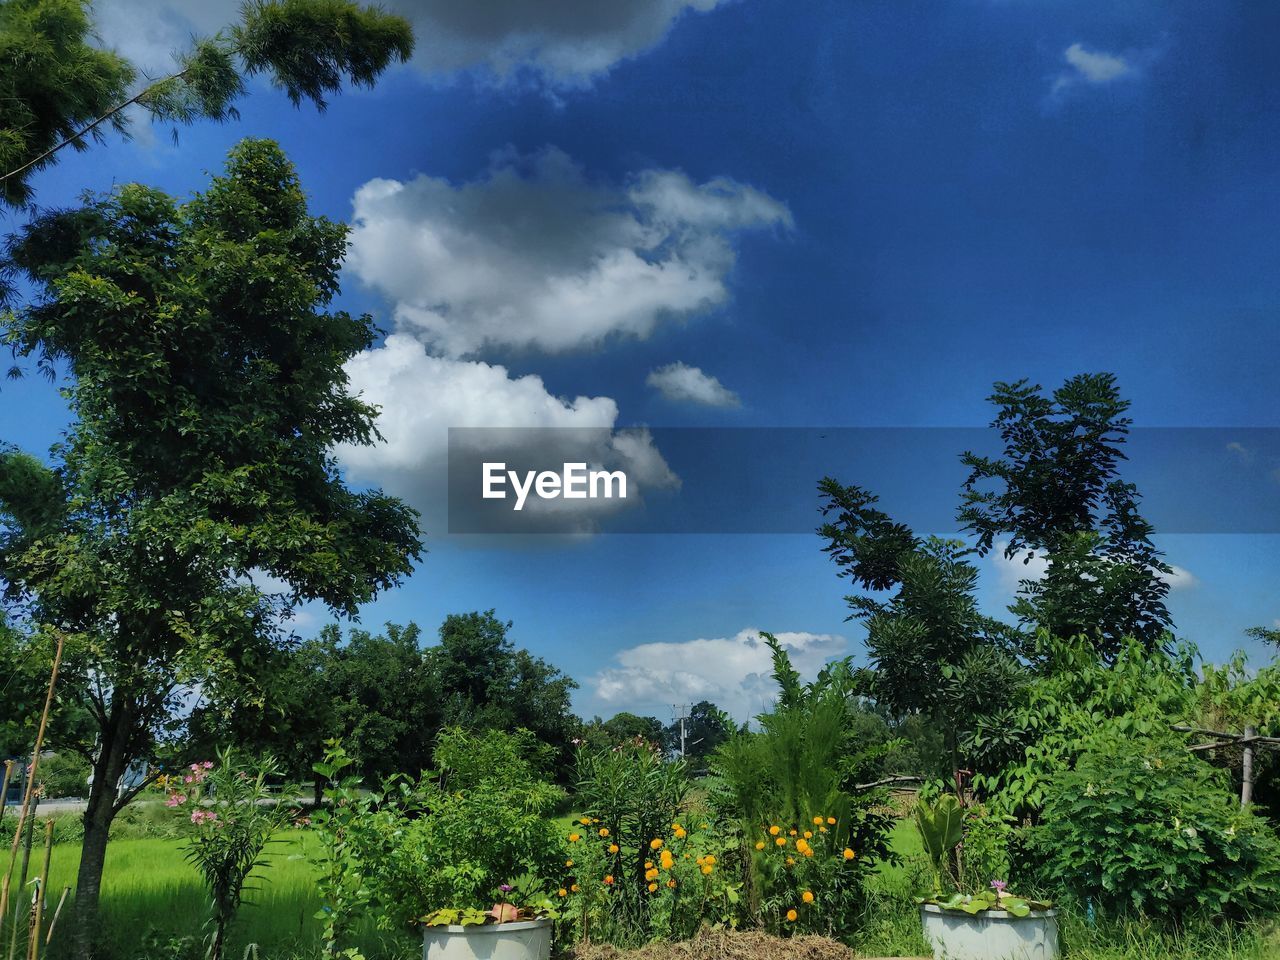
(64, 774)
(705, 728)
(235, 818)
(341, 825)
(208, 390)
(59, 88)
(941, 824)
(451, 840)
(1073, 697)
(931, 650)
(1056, 492)
(805, 761)
(1140, 824)
(634, 795)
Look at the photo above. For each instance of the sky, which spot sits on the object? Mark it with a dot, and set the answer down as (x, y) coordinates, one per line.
(656, 214)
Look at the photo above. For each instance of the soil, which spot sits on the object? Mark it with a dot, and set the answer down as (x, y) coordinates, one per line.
(723, 945)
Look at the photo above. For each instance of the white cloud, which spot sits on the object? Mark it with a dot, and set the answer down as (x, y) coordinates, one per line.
(556, 44)
(733, 672)
(682, 383)
(1095, 68)
(1240, 451)
(422, 396)
(1011, 571)
(534, 254)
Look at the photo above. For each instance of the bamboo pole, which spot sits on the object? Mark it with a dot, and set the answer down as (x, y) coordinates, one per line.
(37, 911)
(31, 778)
(22, 878)
(48, 939)
(4, 790)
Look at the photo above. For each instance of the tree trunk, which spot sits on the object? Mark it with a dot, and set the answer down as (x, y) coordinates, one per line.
(108, 768)
(317, 787)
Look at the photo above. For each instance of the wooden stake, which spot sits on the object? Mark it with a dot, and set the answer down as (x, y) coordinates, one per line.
(56, 914)
(31, 779)
(37, 911)
(1246, 776)
(4, 791)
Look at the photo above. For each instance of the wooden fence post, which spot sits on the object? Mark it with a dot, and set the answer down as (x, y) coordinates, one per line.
(1246, 775)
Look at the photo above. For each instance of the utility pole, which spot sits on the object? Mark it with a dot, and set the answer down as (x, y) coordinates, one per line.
(680, 713)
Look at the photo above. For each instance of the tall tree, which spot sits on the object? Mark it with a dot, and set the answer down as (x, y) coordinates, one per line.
(1056, 492)
(207, 386)
(705, 728)
(59, 91)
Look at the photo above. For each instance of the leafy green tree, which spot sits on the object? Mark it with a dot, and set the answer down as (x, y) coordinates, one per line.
(58, 90)
(628, 726)
(207, 385)
(1269, 635)
(1056, 492)
(485, 681)
(932, 652)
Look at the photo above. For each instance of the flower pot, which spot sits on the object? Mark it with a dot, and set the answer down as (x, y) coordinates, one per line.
(522, 940)
(990, 935)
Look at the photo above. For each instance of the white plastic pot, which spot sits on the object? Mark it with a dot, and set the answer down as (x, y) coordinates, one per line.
(522, 940)
(990, 935)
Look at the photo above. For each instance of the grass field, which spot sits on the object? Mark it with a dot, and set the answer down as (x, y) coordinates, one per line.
(153, 899)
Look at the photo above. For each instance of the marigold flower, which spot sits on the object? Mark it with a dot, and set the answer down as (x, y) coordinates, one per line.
(774, 831)
(651, 874)
(671, 884)
(791, 915)
(585, 821)
(817, 820)
(574, 837)
(613, 848)
(808, 834)
(848, 854)
(791, 861)
(574, 888)
(781, 841)
(666, 861)
(568, 863)
(563, 892)
(709, 858)
(807, 851)
(655, 843)
(604, 831)
(706, 869)
(831, 821)
(807, 896)
(822, 829)
(792, 832)
(679, 833)
(648, 864)
(608, 880)
(653, 887)
(803, 845)
(759, 844)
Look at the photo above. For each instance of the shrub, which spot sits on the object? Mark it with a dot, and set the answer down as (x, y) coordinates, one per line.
(1140, 824)
(439, 850)
(64, 774)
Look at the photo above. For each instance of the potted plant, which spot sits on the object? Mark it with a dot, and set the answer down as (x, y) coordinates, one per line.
(466, 852)
(987, 924)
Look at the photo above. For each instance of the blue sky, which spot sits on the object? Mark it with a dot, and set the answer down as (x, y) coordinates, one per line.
(827, 214)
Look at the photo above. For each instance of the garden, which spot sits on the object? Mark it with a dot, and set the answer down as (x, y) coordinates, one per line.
(191, 779)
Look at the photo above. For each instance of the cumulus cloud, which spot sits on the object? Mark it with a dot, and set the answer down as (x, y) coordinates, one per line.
(1092, 68)
(1011, 571)
(733, 672)
(682, 383)
(555, 44)
(422, 396)
(533, 254)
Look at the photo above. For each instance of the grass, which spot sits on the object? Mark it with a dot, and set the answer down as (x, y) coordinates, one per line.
(154, 905)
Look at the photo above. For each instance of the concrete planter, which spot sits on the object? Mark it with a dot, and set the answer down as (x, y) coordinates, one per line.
(990, 935)
(522, 940)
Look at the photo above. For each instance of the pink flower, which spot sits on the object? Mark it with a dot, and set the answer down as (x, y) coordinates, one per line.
(199, 817)
(208, 764)
(176, 800)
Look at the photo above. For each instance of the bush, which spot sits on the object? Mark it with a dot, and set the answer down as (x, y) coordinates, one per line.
(1142, 825)
(64, 774)
(444, 845)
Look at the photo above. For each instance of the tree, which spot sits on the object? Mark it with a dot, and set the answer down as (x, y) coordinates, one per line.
(1056, 492)
(485, 681)
(628, 726)
(208, 388)
(58, 90)
(932, 652)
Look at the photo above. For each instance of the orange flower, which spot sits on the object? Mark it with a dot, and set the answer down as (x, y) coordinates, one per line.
(574, 888)
(774, 831)
(808, 834)
(793, 833)
(648, 864)
(791, 915)
(574, 837)
(791, 861)
(651, 874)
(608, 880)
(613, 848)
(563, 892)
(759, 844)
(848, 854)
(585, 821)
(604, 831)
(781, 841)
(671, 884)
(666, 861)
(831, 821)
(817, 820)
(568, 863)
(706, 869)
(655, 844)
(807, 896)
(653, 887)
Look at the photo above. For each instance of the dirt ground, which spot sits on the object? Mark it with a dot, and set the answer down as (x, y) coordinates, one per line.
(724, 945)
